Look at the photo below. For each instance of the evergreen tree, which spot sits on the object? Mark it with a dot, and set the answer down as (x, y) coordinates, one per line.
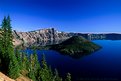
(44, 63)
(46, 73)
(34, 68)
(31, 74)
(13, 70)
(12, 62)
(9, 33)
(18, 57)
(57, 78)
(5, 60)
(8, 58)
(25, 61)
(37, 67)
(68, 78)
(4, 38)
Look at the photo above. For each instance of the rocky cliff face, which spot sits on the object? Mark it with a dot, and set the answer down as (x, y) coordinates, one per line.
(39, 35)
(51, 35)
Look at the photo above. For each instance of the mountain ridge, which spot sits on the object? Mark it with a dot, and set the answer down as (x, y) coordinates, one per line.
(51, 34)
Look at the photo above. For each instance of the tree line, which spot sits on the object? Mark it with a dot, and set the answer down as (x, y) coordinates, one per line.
(14, 62)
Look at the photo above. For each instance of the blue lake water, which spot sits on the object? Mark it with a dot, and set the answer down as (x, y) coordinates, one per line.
(102, 64)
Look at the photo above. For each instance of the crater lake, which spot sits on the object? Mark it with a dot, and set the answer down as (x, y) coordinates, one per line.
(104, 64)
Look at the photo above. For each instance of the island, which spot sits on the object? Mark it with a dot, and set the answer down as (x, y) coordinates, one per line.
(76, 46)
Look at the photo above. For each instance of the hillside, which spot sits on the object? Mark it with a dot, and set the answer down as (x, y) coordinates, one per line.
(31, 37)
(50, 34)
(76, 45)
(6, 78)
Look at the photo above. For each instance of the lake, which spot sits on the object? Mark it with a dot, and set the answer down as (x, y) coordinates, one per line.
(104, 64)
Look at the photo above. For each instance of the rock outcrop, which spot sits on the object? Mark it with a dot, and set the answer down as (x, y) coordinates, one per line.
(51, 35)
(5, 78)
(39, 35)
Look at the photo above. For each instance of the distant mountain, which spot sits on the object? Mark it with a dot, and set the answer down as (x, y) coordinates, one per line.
(76, 45)
(102, 36)
(52, 35)
(38, 36)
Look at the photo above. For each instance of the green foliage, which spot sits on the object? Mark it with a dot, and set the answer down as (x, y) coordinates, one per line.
(4, 38)
(14, 70)
(32, 75)
(34, 67)
(57, 77)
(13, 62)
(18, 57)
(44, 63)
(37, 67)
(8, 58)
(68, 78)
(35, 71)
(46, 74)
(76, 46)
(25, 61)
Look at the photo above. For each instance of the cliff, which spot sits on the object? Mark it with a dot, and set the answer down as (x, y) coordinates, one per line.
(51, 35)
(38, 35)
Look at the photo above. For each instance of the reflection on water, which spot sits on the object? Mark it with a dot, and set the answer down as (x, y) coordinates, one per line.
(104, 64)
(44, 43)
(90, 37)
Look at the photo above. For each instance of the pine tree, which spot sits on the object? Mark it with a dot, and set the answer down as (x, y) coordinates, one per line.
(46, 73)
(37, 67)
(44, 63)
(25, 61)
(4, 38)
(8, 58)
(57, 78)
(4, 46)
(68, 78)
(34, 67)
(31, 74)
(13, 70)
(18, 57)
(12, 62)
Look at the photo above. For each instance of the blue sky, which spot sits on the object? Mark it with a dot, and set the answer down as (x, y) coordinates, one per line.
(64, 15)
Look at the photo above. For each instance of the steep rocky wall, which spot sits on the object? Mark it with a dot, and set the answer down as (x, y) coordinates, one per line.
(50, 34)
(39, 35)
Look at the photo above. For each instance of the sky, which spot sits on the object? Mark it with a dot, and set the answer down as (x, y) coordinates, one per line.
(63, 15)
